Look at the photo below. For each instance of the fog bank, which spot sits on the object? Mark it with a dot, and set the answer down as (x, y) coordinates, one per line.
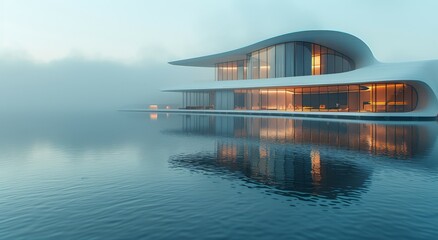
(74, 83)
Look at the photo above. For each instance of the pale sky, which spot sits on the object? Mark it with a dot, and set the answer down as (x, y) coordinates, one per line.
(65, 54)
(133, 30)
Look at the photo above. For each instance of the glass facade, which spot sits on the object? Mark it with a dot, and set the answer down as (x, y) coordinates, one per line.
(285, 60)
(199, 100)
(368, 97)
(235, 70)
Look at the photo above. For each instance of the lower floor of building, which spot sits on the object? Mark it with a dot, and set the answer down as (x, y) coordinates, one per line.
(368, 97)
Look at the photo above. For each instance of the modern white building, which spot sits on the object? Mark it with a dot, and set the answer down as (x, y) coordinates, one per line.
(313, 73)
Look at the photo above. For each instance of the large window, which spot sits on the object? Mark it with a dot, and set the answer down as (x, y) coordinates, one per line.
(271, 62)
(235, 70)
(199, 100)
(290, 59)
(372, 97)
(285, 60)
(279, 60)
(263, 56)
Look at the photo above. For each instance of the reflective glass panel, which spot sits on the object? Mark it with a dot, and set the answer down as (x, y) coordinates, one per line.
(290, 60)
(280, 60)
(255, 65)
(271, 62)
(263, 61)
(307, 58)
(299, 59)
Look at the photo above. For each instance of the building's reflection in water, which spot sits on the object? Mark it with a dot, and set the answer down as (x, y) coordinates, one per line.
(388, 138)
(284, 169)
(301, 158)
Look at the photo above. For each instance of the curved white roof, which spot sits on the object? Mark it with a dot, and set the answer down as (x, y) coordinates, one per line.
(344, 43)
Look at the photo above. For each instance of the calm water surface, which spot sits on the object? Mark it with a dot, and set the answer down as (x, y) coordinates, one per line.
(138, 175)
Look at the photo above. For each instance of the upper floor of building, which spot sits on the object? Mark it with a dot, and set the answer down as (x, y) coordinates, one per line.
(295, 54)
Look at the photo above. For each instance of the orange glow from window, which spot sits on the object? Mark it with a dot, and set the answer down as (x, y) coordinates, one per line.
(316, 64)
(263, 152)
(228, 68)
(275, 92)
(315, 158)
(228, 152)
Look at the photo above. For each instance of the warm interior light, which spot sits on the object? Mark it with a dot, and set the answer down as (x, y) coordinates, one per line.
(316, 64)
(315, 158)
(273, 92)
(263, 152)
(228, 68)
(228, 152)
(382, 86)
(153, 106)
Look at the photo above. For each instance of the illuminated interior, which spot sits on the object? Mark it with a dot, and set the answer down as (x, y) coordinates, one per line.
(367, 97)
(285, 60)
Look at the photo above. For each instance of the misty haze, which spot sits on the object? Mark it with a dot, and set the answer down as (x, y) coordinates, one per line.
(80, 84)
(279, 119)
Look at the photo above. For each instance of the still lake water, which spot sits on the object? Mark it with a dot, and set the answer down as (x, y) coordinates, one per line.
(139, 175)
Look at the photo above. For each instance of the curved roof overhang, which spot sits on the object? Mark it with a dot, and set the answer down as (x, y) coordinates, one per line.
(342, 42)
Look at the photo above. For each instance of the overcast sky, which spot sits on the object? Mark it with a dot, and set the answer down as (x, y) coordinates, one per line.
(114, 53)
